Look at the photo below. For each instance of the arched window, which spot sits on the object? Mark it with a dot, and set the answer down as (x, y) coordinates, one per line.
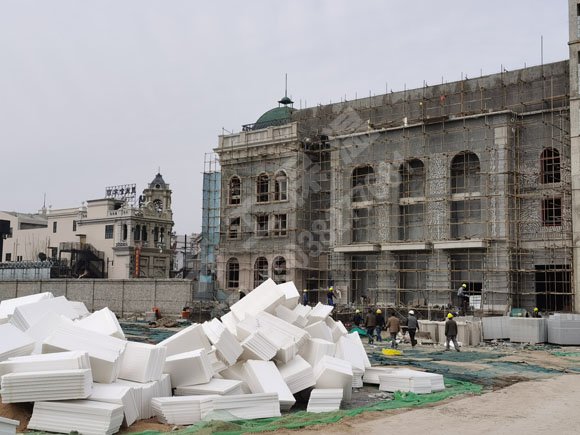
(550, 160)
(362, 178)
(260, 271)
(263, 188)
(233, 273)
(137, 232)
(144, 233)
(281, 186)
(465, 173)
(235, 191)
(155, 234)
(125, 230)
(412, 178)
(279, 270)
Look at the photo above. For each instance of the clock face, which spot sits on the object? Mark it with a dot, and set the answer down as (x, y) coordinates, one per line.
(158, 205)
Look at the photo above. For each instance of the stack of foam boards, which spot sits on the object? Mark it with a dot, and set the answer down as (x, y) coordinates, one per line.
(287, 337)
(411, 381)
(337, 328)
(119, 395)
(324, 400)
(103, 321)
(8, 306)
(215, 386)
(301, 312)
(291, 294)
(355, 337)
(144, 393)
(8, 426)
(46, 385)
(53, 361)
(14, 342)
(83, 416)
(257, 346)
(332, 372)
(372, 374)
(190, 338)
(264, 377)
(230, 321)
(315, 349)
(564, 329)
(217, 364)
(297, 374)
(237, 372)
(495, 328)
(246, 406)
(266, 297)
(320, 330)
(319, 312)
(183, 410)
(227, 346)
(352, 351)
(49, 323)
(27, 315)
(189, 368)
(290, 316)
(80, 309)
(142, 362)
(104, 351)
(528, 330)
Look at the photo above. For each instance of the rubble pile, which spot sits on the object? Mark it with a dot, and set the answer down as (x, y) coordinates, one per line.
(248, 364)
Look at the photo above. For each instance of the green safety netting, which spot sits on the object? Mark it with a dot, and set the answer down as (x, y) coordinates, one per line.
(303, 419)
(567, 354)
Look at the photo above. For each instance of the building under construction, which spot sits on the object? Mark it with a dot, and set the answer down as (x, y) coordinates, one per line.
(398, 199)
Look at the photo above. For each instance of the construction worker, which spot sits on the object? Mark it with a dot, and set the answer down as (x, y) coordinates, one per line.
(305, 296)
(241, 293)
(370, 325)
(536, 313)
(357, 319)
(412, 327)
(451, 332)
(330, 296)
(393, 326)
(380, 324)
(463, 298)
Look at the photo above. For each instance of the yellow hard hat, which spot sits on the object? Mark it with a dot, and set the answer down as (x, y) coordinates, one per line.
(331, 289)
(357, 311)
(464, 285)
(450, 316)
(305, 290)
(379, 312)
(536, 309)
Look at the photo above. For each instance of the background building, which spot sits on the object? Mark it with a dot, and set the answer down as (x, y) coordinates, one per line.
(397, 199)
(114, 237)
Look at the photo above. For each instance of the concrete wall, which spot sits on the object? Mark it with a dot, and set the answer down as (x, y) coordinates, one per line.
(121, 296)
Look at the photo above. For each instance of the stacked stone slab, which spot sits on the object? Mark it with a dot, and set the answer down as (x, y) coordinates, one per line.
(564, 329)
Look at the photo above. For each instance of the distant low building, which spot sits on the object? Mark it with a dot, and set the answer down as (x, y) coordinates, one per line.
(110, 237)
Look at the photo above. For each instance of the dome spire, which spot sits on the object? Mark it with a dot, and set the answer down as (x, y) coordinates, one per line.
(285, 101)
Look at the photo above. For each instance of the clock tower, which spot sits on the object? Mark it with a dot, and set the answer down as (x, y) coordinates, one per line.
(158, 197)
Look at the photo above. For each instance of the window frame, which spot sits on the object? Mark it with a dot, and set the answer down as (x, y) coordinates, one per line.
(552, 212)
(235, 192)
(109, 232)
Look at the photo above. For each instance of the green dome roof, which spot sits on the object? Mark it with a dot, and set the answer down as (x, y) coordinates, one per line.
(277, 116)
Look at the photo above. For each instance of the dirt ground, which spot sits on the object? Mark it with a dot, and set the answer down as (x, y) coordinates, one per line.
(532, 407)
(531, 389)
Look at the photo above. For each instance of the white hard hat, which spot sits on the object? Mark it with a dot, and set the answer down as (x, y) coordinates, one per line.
(411, 312)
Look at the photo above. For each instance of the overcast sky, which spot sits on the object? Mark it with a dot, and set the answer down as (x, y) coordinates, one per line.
(97, 92)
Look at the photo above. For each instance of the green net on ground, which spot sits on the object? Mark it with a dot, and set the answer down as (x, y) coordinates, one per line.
(302, 419)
